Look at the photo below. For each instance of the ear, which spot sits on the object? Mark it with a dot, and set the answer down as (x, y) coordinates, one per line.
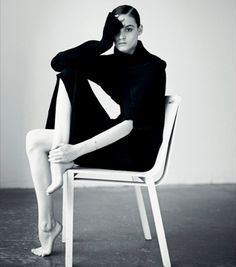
(140, 29)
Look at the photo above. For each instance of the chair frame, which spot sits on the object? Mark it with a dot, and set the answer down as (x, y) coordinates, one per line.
(149, 179)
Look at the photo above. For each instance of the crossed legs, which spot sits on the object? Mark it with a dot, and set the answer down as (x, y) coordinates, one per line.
(48, 177)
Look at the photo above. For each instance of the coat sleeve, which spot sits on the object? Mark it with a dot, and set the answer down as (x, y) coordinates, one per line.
(78, 56)
(86, 59)
(145, 103)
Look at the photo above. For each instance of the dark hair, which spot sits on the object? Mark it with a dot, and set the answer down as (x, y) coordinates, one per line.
(125, 9)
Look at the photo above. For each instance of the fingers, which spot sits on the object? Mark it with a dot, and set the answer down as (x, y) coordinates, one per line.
(58, 154)
(56, 150)
(55, 155)
(119, 18)
(58, 146)
(57, 159)
(114, 22)
(62, 153)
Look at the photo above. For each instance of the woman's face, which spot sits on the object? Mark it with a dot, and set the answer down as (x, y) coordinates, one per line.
(126, 40)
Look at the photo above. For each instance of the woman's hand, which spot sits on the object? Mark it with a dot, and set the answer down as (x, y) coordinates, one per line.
(111, 28)
(63, 153)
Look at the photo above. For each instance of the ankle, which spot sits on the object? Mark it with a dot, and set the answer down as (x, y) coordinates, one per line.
(47, 226)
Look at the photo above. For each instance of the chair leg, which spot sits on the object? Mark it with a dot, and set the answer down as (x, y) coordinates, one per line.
(142, 213)
(69, 219)
(64, 197)
(158, 222)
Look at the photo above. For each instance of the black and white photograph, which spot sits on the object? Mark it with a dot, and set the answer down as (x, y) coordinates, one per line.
(118, 133)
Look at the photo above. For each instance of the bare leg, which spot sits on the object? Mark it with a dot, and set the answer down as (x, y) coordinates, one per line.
(61, 136)
(38, 144)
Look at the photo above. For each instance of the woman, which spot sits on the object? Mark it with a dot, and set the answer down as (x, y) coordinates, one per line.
(78, 130)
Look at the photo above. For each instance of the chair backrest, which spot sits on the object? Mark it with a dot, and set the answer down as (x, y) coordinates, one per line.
(171, 110)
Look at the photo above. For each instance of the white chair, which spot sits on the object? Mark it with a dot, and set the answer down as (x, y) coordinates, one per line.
(149, 179)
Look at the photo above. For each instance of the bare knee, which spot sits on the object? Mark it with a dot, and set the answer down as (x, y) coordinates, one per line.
(33, 140)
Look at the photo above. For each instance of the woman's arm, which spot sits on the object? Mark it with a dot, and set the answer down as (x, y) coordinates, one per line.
(67, 153)
(105, 138)
(80, 55)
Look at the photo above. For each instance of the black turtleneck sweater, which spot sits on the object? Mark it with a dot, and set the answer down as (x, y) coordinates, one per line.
(136, 82)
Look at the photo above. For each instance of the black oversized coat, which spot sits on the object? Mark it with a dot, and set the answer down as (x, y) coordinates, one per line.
(136, 82)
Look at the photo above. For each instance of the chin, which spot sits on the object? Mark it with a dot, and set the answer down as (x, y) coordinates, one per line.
(121, 48)
(124, 49)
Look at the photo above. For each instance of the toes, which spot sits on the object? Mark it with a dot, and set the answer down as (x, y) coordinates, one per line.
(39, 252)
(52, 188)
(44, 254)
(36, 251)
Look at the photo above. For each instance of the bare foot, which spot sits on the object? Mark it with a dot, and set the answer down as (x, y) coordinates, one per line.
(47, 240)
(57, 176)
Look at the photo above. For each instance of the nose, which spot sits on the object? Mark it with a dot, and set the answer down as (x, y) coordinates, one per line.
(121, 35)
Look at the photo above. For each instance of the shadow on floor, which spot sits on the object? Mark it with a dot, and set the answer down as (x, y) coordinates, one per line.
(199, 222)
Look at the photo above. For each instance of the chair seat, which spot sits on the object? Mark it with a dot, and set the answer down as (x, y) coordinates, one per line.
(81, 173)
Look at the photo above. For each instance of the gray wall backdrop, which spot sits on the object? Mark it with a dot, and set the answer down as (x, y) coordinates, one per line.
(196, 38)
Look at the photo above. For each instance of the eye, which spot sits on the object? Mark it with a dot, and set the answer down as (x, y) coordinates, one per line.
(129, 29)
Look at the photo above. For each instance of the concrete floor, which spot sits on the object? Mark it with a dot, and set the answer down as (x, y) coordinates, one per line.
(199, 223)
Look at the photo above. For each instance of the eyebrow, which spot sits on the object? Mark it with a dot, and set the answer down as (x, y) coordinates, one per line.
(130, 25)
